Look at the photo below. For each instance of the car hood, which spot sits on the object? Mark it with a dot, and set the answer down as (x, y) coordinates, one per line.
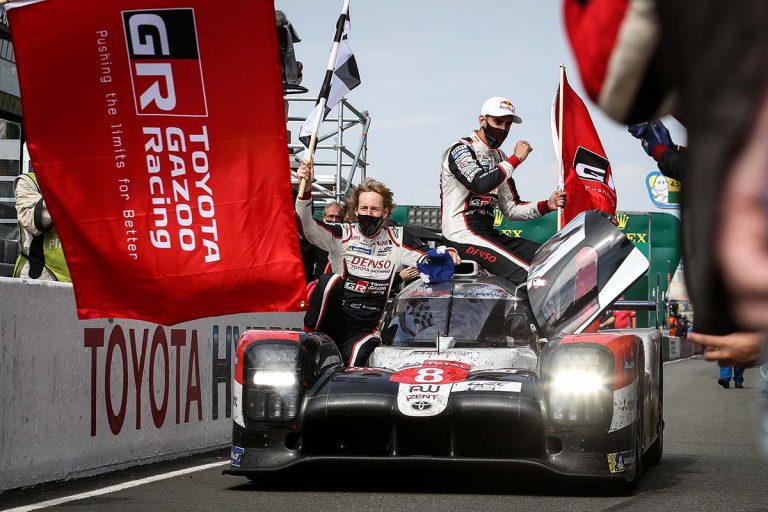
(399, 358)
(581, 271)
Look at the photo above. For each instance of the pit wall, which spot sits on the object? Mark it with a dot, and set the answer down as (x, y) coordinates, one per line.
(83, 397)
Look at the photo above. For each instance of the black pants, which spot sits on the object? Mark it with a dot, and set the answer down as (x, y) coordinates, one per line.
(499, 254)
(353, 330)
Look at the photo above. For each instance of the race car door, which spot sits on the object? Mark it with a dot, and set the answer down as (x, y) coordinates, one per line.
(579, 272)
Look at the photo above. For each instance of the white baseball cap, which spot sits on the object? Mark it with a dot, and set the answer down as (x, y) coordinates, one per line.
(499, 107)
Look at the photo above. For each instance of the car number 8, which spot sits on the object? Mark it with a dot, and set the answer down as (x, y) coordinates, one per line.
(429, 375)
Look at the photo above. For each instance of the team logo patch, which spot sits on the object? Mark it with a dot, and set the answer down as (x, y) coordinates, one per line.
(357, 248)
(164, 61)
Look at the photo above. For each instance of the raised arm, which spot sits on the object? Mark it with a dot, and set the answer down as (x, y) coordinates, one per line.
(325, 236)
(462, 162)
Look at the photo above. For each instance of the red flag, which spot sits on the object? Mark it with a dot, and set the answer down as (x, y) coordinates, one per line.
(586, 170)
(157, 131)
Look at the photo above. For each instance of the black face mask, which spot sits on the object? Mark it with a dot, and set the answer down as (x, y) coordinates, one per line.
(369, 225)
(494, 136)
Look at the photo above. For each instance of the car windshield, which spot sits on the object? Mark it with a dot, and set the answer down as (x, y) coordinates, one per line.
(470, 321)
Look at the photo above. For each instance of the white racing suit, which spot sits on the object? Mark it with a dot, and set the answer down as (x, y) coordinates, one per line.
(475, 180)
(348, 304)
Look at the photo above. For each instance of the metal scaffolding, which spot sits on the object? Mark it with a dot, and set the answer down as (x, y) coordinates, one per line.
(334, 158)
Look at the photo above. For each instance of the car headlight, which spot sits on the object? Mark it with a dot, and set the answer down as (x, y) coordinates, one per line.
(272, 381)
(580, 385)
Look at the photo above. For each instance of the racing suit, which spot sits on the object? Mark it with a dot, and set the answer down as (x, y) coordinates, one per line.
(349, 303)
(476, 179)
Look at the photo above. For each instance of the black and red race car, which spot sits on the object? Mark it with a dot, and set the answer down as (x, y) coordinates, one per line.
(470, 373)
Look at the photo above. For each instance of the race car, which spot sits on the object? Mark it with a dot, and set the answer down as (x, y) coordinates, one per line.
(470, 373)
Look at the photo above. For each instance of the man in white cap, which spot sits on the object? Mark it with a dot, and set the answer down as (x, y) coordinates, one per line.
(476, 178)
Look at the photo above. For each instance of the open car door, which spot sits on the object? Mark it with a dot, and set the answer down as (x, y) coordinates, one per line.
(579, 272)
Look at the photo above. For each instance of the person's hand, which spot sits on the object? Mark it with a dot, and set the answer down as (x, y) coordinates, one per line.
(651, 135)
(739, 349)
(556, 200)
(454, 255)
(661, 133)
(523, 149)
(409, 273)
(305, 171)
(638, 130)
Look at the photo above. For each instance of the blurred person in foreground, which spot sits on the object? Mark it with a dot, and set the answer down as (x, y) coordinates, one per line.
(739, 349)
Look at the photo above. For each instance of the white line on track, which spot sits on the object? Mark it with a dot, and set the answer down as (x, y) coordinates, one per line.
(115, 488)
(694, 356)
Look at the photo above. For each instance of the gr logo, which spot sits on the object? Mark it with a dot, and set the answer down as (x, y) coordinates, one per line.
(591, 166)
(164, 59)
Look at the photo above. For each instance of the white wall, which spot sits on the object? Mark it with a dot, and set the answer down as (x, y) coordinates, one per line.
(56, 421)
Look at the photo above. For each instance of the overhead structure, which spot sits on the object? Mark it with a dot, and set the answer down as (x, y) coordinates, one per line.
(341, 151)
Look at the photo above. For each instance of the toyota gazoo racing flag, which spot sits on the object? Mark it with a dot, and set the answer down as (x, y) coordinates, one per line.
(588, 182)
(157, 131)
(341, 76)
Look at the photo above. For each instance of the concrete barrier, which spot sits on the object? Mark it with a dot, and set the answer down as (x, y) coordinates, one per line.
(675, 347)
(83, 397)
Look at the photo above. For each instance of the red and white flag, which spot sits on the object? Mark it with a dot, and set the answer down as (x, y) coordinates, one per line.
(157, 131)
(588, 182)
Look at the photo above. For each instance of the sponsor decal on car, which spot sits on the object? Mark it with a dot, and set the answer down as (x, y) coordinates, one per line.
(422, 399)
(488, 385)
(236, 457)
(434, 371)
(620, 462)
(624, 407)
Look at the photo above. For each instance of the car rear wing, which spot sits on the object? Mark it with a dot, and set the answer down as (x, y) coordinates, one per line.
(637, 305)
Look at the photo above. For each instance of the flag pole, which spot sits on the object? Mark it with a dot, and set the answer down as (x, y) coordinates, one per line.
(325, 90)
(310, 154)
(560, 137)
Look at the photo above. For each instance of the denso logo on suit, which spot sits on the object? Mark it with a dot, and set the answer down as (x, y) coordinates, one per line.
(368, 263)
(166, 73)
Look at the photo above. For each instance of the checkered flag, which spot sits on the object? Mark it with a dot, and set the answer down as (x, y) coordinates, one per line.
(341, 77)
(421, 315)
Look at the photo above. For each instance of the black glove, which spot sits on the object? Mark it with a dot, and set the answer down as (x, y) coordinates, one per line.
(652, 134)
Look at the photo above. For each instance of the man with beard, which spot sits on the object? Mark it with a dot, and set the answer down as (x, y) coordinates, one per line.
(476, 178)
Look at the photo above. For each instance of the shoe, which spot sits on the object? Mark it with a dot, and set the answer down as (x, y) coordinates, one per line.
(738, 385)
(725, 383)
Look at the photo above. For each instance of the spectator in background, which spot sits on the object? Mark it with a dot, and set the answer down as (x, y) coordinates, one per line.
(333, 213)
(41, 255)
(620, 319)
(725, 377)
